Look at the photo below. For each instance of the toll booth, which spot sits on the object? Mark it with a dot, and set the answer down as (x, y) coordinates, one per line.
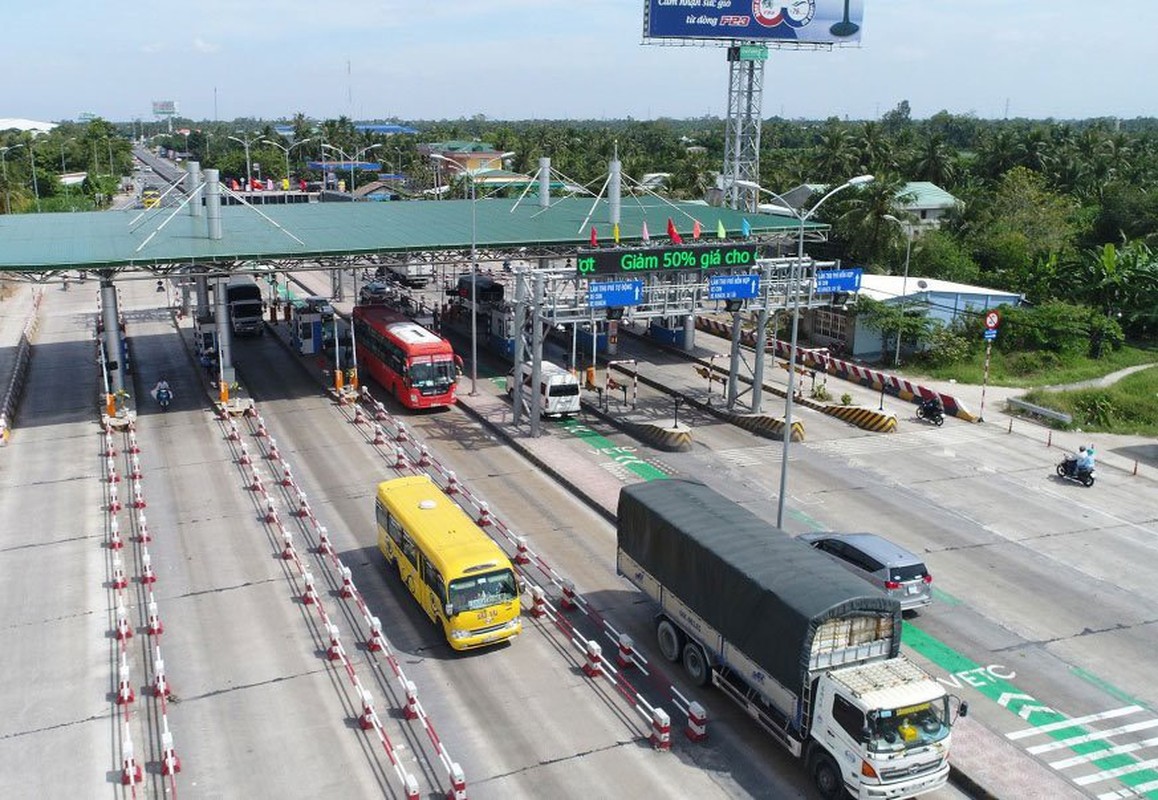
(311, 324)
(205, 335)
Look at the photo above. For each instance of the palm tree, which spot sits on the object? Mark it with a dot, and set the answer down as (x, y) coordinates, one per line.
(933, 161)
(835, 155)
(860, 224)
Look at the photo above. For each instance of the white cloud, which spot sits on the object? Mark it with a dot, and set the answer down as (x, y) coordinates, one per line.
(152, 47)
(202, 46)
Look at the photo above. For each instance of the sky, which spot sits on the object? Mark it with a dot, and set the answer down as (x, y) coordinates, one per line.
(549, 59)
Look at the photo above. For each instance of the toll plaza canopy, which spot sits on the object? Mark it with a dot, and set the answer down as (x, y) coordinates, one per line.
(36, 246)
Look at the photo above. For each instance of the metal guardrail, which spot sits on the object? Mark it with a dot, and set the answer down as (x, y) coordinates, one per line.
(16, 383)
(1040, 411)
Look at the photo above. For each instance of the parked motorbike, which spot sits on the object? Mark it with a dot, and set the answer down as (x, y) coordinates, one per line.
(1068, 469)
(931, 412)
(164, 398)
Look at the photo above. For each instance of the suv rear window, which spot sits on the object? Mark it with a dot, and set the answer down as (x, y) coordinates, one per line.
(909, 572)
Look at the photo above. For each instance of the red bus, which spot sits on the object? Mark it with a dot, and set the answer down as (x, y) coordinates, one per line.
(416, 366)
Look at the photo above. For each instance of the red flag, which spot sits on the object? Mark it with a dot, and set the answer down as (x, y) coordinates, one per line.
(696, 229)
(646, 237)
(672, 233)
(594, 238)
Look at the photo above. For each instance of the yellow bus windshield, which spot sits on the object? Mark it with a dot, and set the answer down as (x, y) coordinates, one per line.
(493, 588)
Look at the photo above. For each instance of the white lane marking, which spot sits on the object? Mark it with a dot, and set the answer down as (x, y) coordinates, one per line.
(1066, 763)
(1062, 744)
(1133, 791)
(1069, 723)
(1105, 775)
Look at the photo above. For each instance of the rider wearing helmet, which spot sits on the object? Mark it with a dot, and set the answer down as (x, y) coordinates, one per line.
(1086, 458)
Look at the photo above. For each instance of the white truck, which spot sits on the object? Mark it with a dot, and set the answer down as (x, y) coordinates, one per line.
(243, 298)
(414, 273)
(809, 650)
(558, 389)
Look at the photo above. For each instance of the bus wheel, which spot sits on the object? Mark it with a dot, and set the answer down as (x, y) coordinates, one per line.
(696, 664)
(671, 640)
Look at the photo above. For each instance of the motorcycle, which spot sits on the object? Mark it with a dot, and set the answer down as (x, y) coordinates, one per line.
(164, 398)
(931, 412)
(1068, 469)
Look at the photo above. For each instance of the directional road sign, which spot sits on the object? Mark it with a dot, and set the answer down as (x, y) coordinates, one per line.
(991, 334)
(733, 287)
(830, 281)
(614, 294)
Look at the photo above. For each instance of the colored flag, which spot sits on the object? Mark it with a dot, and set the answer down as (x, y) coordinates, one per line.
(696, 229)
(615, 232)
(672, 233)
(745, 228)
(594, 238)
(721, 231)
(646, 237)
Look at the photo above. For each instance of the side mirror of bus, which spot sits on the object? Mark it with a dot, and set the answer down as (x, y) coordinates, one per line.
(449, 609)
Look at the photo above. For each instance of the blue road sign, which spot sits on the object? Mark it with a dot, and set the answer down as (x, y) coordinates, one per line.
(614, 294)
(830, 281)
(733, 287)
(991, 334)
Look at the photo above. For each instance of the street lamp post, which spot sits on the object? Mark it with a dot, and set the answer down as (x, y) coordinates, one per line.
(796, 276)
(35, 185)
(352, 161)
(904, 281)
(4, 163)
(471, 174)
(248, 164)
(286, 151)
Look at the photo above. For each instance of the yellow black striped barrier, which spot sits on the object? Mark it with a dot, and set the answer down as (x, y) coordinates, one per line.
(869, 419)
(668, 439)
(767, 426)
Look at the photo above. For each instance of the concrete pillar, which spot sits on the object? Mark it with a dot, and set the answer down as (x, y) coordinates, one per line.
(112, 335)
(224, 333)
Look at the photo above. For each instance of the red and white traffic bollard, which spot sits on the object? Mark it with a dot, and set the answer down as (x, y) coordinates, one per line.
(262, 433)
(170, 764)
(273, 455)
(114, 502)
(376, 642)
(125, 694)
(287, 476)
(124, 630)
(143, 534)
(147, 574)
(400, 436)
(423, 456)
(324, 546)
(359, 417)
(303, 505)
(256, 484)
(625, 657)
(138, 497)
(115, 542)
(244, 457)
(484, 515)
(697, 729)
(522, 555)
(131, 773)
(111, 471)
(411, 709)
(380, 412)
(366, 720)
(347, 590)
(593, 667)
(133, 448)
(399, 458)
(110, 450)
(451, 483)
(457, 783)
(567, 601)
(538, 602)
(135, 468)
(120, 580)
(160, 685)
(660, 729)
(153, 624)
(310, 595)
(334, 651)
(270, 511)
(287, 544)
(234, 434)
(379, 435)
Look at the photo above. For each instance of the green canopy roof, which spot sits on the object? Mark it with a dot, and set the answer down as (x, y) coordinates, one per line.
(93, 240)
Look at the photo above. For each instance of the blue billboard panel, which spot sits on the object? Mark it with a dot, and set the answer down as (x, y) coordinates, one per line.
(812, 21)
(733, 287)
(614, 294)
(830, 281)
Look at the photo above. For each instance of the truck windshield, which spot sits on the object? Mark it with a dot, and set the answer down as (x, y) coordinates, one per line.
(909, 727)
(480, 591)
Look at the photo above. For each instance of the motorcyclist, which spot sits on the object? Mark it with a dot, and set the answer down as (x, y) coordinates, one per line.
(1085, 461)
(162, 392)
(932, 405)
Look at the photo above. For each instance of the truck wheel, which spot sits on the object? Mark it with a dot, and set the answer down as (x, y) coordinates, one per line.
(696, 664)
(826, 776)
(671, 640)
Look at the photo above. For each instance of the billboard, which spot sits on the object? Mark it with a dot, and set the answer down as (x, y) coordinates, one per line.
(806, 21)
(164, 108)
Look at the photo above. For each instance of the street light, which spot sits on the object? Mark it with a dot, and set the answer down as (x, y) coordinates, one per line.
(471, 174)
(63, 142)
(35, 185)
(248, 164)
(286, 151)
(4, 163)
(904, 281)
(794, 280)
(352, 161)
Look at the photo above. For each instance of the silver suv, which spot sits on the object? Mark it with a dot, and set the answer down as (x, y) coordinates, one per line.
(890, 567)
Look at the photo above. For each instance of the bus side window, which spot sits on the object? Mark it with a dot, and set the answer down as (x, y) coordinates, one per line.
(409, 549)
(394, 529)
(434, 580)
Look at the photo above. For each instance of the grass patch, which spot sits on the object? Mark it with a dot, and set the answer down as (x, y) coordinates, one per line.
(1129, 406)
(1040, 368)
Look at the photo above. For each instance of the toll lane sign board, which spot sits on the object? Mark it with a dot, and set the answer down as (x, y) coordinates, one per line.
(830, 281)
(614, 294)
(733, 287)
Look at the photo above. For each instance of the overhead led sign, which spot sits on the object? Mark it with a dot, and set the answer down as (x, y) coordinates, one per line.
(632, 260)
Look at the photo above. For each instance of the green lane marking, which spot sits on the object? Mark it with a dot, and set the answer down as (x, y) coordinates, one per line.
(1107, 687)
(993, 687)
(625, 456)
(945, 598)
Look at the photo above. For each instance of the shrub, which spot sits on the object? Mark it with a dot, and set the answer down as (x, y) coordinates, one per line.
(821, 393)
(846, 399)
(1031, 362)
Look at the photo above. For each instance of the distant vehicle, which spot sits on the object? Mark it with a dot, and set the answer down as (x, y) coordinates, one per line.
(415, 365)
(243, 298)
(887, 566)
(373, 292)
(558, 389)
(413, 273)
(151, 198)
(462, 580)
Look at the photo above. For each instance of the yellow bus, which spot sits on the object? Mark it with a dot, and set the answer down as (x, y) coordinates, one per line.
(462, 580)
(151, 198)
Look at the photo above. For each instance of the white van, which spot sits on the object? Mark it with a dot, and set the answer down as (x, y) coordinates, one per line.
(558, 389)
